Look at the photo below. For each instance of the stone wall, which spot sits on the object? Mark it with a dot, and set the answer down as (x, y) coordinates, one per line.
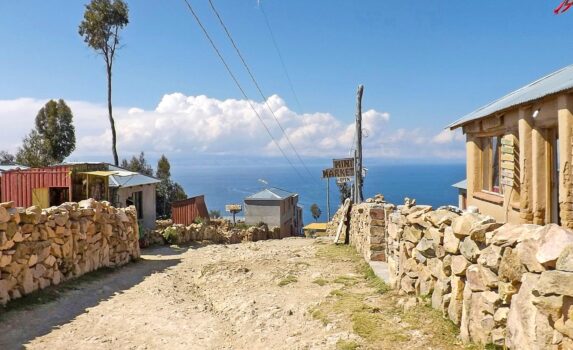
(43, 247)
(215, 231)
(508, 285)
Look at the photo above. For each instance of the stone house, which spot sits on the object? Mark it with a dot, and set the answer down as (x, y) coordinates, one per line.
(54, 185)
(519, 153)
(275, 207)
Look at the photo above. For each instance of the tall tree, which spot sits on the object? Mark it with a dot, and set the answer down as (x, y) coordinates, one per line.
(138, 164)
(315, 211)
(163, 168)
(33, 152)
(103, 20)
(6, 158)
(167, 190)
(54, 123)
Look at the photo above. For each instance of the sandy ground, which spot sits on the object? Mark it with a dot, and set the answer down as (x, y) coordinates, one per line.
(204, 297)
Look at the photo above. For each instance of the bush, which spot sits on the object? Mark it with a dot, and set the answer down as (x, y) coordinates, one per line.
(170, 234)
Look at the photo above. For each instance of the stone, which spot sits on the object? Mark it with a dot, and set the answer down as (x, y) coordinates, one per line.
(33, 260)
(498, 337)
(469, 249)
(425, 283)
(456, 300)
(451, 242)
(31, 215)
(479, 230)
(4, 216)
(5, 260)
(555, 282)
(526, 251)
(510, 267)
(553, 240)
(426, 248)
(434, 235)
(412, 233)
(480, 278)
(510, 234)
(565, 259)
(407, 285)
(459, 265)
(462, 225)
(500, 315)
(550, 306)
(436, 267)
(490, 257)
(506, 290)
(565, 326)
(465, 319)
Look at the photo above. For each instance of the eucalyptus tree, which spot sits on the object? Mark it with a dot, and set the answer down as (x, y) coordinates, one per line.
(100, 28)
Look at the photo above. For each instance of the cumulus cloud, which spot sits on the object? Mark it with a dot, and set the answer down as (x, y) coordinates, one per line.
(448, 136)
(188, 125)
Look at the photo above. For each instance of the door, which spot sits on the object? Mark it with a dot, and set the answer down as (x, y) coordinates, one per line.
(41, 197)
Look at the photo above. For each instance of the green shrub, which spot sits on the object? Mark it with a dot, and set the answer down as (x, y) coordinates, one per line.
(170, 234)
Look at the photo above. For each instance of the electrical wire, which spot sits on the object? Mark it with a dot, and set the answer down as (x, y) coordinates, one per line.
(239, 85)
(264, 97)
(280, 57)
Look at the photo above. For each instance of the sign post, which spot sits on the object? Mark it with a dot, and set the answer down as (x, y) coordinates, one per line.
(233, 209)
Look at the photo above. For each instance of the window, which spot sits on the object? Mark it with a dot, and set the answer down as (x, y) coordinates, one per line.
(491, 161)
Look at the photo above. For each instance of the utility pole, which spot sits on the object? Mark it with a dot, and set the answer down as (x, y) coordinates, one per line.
(358, 181)
(327, 199)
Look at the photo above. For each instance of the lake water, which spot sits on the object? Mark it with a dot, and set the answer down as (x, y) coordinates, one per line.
(428, 184)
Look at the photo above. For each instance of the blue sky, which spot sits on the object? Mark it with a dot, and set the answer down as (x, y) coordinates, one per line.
(423, 64)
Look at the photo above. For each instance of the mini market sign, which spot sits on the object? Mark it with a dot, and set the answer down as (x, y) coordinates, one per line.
(341, 168)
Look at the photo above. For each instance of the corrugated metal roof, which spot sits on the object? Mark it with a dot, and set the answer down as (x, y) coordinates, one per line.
(272, 193)
(550, 84)
(462, 185)
(12, 167)
(123, 178)
(316, 226)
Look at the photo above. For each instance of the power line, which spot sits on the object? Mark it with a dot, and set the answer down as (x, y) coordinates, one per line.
(257, 85)
(280, 57)
(239, 85)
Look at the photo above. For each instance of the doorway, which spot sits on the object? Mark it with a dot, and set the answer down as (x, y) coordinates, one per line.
(553, 177)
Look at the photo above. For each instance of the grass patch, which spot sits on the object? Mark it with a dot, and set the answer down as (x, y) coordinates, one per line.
(318, 314)
(287, 280)
(347, 345)
(372, 279)
(320, 281)
(53, 293)
(345, 280)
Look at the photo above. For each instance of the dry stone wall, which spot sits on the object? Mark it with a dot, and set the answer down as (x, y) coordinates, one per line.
(43, 247)
(508, 285)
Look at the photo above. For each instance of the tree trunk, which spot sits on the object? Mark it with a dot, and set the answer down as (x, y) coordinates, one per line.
(111, 121)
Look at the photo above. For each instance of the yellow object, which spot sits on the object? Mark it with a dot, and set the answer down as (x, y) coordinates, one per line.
(317, 226)
(41, 197)
(100, 173)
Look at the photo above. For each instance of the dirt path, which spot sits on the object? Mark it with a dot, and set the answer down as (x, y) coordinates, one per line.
(262, 295)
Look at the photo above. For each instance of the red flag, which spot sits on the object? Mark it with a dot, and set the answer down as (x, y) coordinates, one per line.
(565, 5)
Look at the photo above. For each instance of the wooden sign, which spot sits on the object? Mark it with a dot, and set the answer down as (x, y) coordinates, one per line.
(340, 168)
(233, 208)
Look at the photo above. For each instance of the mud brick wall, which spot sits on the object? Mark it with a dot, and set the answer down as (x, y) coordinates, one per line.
(43, 247)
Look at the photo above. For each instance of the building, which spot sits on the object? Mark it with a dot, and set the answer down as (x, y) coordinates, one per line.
(462, 187)
(186, 211)
(275, 207)
(73, 182)
(519, 153)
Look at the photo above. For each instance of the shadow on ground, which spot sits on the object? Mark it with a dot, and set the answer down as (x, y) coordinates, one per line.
(25, 321)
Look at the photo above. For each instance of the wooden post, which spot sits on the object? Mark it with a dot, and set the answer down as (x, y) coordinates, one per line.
(358, 168)
(327, 199)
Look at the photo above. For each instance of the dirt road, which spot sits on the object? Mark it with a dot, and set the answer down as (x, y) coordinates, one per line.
(279, 294)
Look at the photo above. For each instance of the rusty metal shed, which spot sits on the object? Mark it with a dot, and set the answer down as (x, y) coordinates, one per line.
(186, 211)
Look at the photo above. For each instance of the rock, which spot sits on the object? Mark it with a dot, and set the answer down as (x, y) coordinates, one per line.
(480, 278)
(451, 242)
(510, 268)
(481, 321)
(469, 249)
(456, 300)
(459, 265)
(565, 260)
(440, 217)
(506, 290)
(510, 234)
(550, 306)
(526, 251)
(500, 315)
(490, 257)
(553, 240)
(407, 285)
(33, 260)
(31, 215)
(436, 267)
(4, 216)
(555, 282)
(412, 233)
(479, 230)
(426, 248)
(565, 326)
(462, 225)
(434, 235)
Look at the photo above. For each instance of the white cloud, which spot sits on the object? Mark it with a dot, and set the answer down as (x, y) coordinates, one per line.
(448, 136)
(187, 125)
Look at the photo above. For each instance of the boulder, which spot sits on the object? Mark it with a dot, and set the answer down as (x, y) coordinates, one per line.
(4, 216)
(451, 242)
(459, 265)
(490, 257)
(479, 230)
(510, 267)
(426, 248)
(440, 217)
(510, 234)
(565, 259)
(555, 282)
(526, 251)
(462, 225)
(469, 249)
(550, 306)
(553, 240)
(480, 278)
(412, 233)
(500, 316)
(456, 300)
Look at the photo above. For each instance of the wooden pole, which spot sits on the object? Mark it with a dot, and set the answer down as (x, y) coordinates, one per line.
(327, 199)
(358, 168)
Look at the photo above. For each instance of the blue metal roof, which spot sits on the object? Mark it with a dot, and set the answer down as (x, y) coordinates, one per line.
(125, 178)
(272, 193)
(550, 84)
(462, 185)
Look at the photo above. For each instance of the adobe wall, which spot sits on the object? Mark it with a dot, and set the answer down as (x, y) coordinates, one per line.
(507, 284)
(43, 247)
